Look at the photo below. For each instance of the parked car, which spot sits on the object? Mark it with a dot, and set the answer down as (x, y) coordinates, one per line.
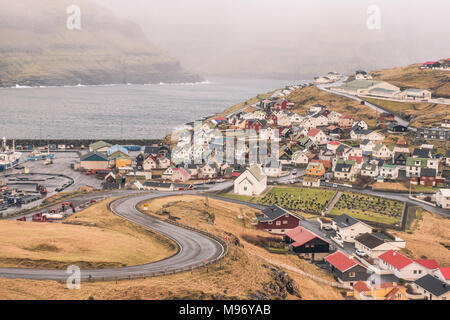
(327, 228)
(360, 253)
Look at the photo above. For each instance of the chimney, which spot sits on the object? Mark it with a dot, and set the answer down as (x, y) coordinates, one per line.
(394, 253)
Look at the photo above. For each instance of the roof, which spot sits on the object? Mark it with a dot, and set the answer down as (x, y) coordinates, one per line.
(369, 240)
(341, 261)
(343, 167)
(433, 285)
(395, 259)
(359, 84)
(334, 143)
(369, 166)
(412, 162)
(272, 213)
(313, 132)
(445, 192)
(344, 221)
(428, 263)
(445, 271)
(427, 172)
(300, 236)
(94, 156)
(422, 153)
(361, 286)
(99, 144)
(256, 171)
(116, 148)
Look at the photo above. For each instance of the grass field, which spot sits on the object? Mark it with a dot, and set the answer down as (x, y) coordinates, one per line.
(109, 241)
(420, 113)
(429, 238)
(298, 199)
(369, 208)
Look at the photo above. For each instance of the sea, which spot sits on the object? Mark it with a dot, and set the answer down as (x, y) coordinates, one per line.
(120, 111)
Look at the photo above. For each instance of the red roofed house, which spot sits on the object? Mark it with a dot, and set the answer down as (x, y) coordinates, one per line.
(346, 269)
(401, 266)
(333, 145)
(317, 136)
(303, 241)
(345, 121)
(431, 265)
(384, 291)
(443, 274)
(180, 174)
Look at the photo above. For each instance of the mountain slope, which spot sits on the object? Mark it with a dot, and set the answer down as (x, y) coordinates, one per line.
(36, 48)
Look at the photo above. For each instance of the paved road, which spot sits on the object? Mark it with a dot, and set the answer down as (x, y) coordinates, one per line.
(194, 248)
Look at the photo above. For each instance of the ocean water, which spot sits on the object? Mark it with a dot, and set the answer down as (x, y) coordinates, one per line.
(119, 111)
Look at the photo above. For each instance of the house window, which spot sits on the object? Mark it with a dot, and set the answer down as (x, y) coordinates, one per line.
(270, 222)
(351, 274)
(285, 222)
(278, 223)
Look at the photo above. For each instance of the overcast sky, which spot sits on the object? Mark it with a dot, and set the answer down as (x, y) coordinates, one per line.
(291, 38)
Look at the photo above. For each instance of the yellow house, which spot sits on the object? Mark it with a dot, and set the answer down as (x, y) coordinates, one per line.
(384, 291)
(123, 162)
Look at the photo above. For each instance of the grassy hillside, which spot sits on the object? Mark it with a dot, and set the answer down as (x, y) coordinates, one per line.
(307, 96)
(437, 81)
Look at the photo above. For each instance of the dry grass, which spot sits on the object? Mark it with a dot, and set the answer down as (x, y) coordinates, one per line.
(427, 241)
(110, 241)
(437, 81)
(389, 186)
(307, 96)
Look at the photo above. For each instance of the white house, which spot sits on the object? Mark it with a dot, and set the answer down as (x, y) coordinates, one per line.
(380, 151)
(369, 170)
(251, 183)
(389, 171)
(401, 266)
(443, 198)
(348, 228)
(300, 158)
(318, 136)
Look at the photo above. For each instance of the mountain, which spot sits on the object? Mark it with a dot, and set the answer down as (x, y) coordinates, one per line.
(37, 48)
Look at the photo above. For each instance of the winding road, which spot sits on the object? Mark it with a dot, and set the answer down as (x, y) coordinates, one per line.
(194, 248)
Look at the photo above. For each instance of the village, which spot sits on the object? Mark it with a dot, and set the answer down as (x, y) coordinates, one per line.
(331, 187)
(325, 197)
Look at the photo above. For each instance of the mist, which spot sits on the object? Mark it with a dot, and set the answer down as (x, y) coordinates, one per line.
(291, 38)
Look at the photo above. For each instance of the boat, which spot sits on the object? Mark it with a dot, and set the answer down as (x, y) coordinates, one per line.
(38, 155)
(8, 158)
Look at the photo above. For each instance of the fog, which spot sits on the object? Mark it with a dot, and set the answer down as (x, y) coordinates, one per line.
(291, 38)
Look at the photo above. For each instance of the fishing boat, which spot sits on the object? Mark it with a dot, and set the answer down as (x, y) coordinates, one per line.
(8, 158)
(38, 155)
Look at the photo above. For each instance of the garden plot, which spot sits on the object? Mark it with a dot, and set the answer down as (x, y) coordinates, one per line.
(299, 199)
(369, 208)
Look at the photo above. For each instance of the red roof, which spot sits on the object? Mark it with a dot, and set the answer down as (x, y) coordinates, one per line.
(430, 62)
(445, 272)
(236, 174)
(313, 132)
(334, 143)
(429, 264)
(341, 261)
(361, 286)
(346, 117)
(301, 236)
(220, 119)
(357, 159)
(326, 163)
(395, 259)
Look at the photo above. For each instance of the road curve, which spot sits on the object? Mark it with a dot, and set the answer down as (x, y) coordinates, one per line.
(194, 248)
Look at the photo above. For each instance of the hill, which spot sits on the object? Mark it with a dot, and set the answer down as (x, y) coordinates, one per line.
(436, 81)
(38, 49)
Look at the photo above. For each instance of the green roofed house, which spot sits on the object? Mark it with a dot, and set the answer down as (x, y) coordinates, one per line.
(369, 170)
(413, 166)
(368, 87)
(389, 171)
(94, 161)
(99, 146)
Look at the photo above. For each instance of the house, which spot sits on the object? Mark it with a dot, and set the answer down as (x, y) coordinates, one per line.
(445, 123)
(432, 288)
(401, 266)
(272, 170)
(361, 134)
(167, 174)
(334, 117)
(439, 133)
(251, 183)
(317, 136)
(316, 108)
(429, 264)
(400, 158)
(304, 242)
(383, 291)
(367, 147)
(423, 153)
(389, 171)
(150, 185)
(362, 75)
(443, 198)
(149, 163)
(180, 174)
(99, 146)
(396, 128)
(320, 120)
(416, 94)
(386, 116)
(300, 158)
(344, 171)
(277, 220)
(310, 181)
(345, 121)
(428, 177)
(348, 228)
(368, 87)
(414, 165)
(346, 269)
(94, 161)
(431, 65)
(372, 245)
(315, 169)
(369, 169)
(207, 171)
(447, 158)
(333, 145)
(360, 125)
(443, 274)
(380, 151)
